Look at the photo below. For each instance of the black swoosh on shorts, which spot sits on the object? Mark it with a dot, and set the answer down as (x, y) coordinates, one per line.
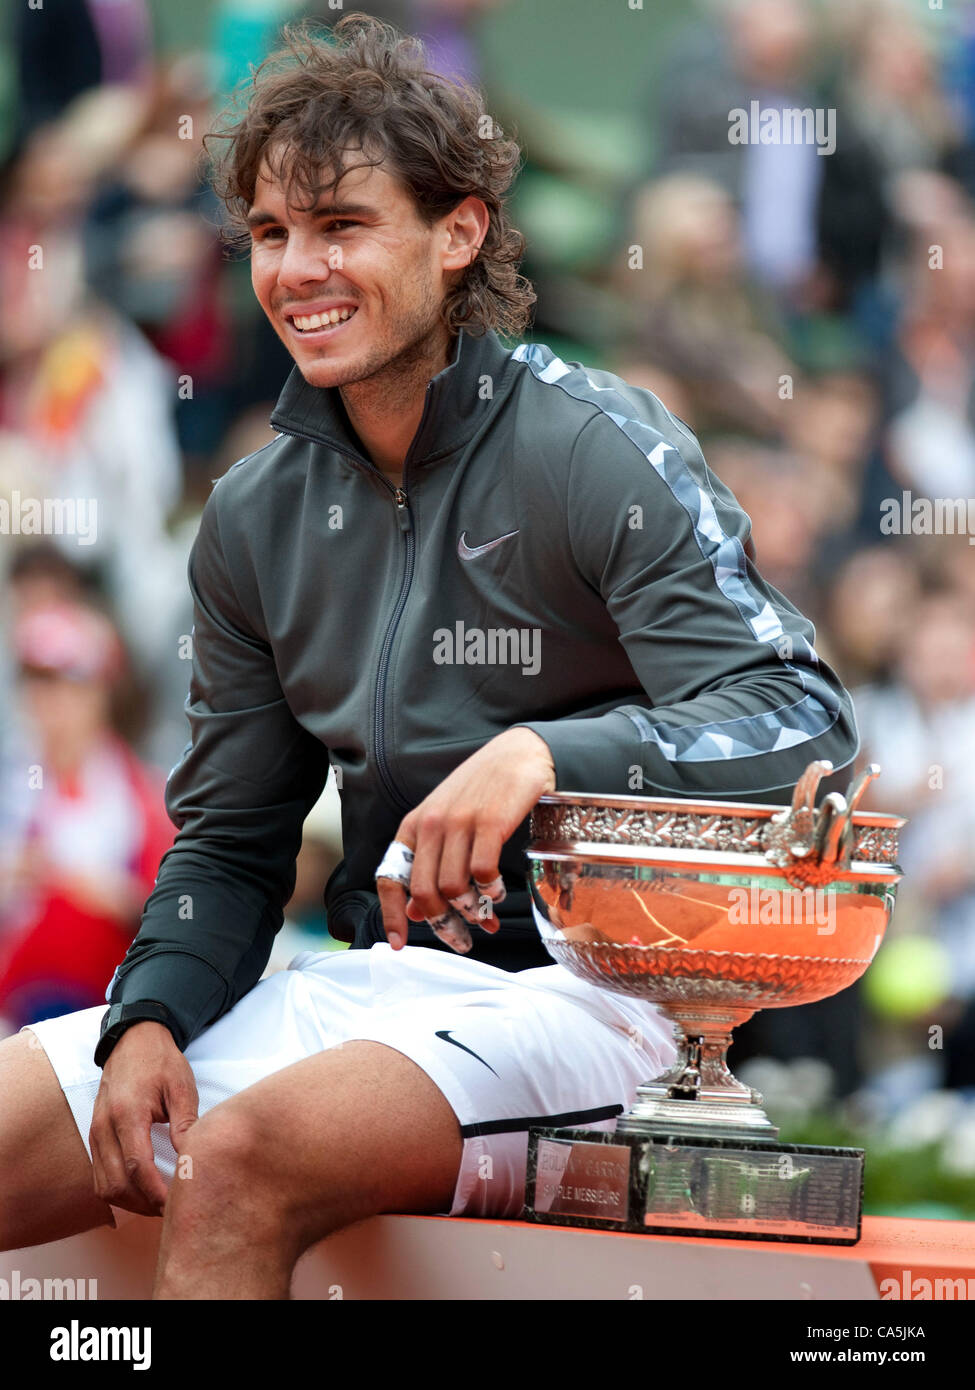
(445, 1034)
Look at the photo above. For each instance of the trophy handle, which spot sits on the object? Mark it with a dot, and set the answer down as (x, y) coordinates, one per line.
(859, 785)
(834, 835)
(794, 832)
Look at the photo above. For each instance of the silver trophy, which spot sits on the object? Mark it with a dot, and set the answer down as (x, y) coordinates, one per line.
(711, 910)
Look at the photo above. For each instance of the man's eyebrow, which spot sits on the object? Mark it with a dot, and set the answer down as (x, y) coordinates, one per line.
(261, 219)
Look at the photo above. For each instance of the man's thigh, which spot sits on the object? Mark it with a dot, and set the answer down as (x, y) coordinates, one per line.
(353, 1131)
(47, 1189)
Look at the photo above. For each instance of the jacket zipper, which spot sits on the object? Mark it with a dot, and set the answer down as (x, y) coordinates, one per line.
(405, 522)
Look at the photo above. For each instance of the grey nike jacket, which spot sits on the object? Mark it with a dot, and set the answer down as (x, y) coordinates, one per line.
(559, 556)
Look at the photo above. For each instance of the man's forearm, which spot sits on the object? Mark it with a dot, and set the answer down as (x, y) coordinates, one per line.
(641, 751)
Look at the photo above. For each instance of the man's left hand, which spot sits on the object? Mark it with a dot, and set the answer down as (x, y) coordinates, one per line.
(458, 831)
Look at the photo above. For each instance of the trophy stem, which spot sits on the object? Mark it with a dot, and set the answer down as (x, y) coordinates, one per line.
(698, 1094)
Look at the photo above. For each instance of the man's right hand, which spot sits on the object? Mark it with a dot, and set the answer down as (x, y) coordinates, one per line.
(146, 1080)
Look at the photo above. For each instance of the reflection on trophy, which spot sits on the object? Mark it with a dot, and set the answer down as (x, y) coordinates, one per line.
(711, 910)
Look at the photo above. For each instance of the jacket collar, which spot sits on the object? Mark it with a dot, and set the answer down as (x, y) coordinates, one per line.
(457, 401)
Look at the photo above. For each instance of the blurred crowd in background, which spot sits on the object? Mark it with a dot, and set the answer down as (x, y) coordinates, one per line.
(811, 315)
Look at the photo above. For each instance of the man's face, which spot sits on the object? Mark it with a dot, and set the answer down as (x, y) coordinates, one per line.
(361, 257)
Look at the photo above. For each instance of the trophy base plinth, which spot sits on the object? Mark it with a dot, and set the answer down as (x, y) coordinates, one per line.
(694, 1185)
(655, 1117)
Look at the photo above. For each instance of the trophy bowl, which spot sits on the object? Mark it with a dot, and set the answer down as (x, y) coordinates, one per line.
(712, 910)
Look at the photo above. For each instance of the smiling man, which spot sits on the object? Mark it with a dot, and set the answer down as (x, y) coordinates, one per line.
(363, 589)
(373, 328)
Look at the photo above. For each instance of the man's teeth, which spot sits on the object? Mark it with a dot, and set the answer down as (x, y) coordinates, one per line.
(305, 323)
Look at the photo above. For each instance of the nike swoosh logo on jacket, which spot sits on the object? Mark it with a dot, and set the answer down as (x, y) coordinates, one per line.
(470, 552)
(332, 623)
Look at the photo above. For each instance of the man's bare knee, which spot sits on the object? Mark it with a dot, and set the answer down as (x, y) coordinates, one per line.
(348, 1133)
(222, 1168)
(46, 1186)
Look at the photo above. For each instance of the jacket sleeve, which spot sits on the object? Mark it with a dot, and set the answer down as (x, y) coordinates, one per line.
(238, 796)
(737, 700)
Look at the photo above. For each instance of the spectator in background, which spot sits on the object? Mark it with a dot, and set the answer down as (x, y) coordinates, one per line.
(931, 442)
(85, 402)
(779, 184)
(953, 567)
(153, 253)
(864, 610)
(756, 50)
(891, 89)
(921, 728)
(85, 855)
(66, 47)
(37, 575)
(832, 424)
(817, 231)
(692, 312)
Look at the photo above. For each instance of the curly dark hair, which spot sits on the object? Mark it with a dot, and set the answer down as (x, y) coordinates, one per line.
(363, 85)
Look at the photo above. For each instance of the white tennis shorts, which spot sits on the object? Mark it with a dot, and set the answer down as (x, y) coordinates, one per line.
(508, 1051)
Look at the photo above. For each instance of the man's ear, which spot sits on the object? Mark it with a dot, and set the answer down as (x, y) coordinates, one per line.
(464, 230)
